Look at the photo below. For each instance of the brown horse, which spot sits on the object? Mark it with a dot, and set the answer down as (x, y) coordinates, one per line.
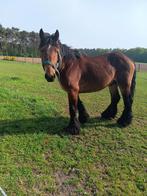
(79, 73)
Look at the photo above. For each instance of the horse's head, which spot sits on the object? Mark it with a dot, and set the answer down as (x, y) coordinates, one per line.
(50, 54)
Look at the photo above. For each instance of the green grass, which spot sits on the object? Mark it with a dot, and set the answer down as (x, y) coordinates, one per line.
(37, 158)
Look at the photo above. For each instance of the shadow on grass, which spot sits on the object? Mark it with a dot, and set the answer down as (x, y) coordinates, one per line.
(50, 125)
(102, 122)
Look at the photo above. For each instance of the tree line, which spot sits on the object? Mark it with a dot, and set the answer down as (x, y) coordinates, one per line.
(14, 42)
(137, 54)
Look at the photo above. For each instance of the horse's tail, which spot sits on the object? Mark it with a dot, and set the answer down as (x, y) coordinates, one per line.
(133, 84)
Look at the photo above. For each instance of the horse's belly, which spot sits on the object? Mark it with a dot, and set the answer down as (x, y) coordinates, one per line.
(94, 84)
(88, 89)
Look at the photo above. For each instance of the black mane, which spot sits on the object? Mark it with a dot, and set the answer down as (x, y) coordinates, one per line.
(68, 52)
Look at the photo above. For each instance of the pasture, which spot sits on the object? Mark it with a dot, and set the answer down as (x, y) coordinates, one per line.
(38, 158)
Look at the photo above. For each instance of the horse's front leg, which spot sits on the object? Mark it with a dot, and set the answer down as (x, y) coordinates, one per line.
(74, 124)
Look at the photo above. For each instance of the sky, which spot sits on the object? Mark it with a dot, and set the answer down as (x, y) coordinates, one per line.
(82, 23)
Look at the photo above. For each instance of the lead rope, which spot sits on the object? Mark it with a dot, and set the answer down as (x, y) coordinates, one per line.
(57, 72)
(57, 67)
(2, 192)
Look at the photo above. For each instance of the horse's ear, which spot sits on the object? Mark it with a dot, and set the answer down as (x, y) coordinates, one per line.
(56, 36)
(41, 34)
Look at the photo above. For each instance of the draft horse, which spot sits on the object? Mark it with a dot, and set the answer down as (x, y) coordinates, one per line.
(79, 73)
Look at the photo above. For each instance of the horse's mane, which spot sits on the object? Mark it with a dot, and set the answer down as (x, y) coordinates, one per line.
(68, 52)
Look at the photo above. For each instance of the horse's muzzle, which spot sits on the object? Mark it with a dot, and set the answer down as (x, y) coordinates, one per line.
(49, 78)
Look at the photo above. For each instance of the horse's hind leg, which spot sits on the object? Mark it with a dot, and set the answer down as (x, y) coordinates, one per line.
(111, 110)
(83, 114)
(126, 117)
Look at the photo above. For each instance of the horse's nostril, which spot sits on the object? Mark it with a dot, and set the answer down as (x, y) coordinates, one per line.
(49, 79)
(46, 76)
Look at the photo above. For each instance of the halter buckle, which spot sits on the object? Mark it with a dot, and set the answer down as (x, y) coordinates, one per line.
(47, 62)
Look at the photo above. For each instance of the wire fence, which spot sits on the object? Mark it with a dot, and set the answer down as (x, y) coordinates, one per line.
(22, 59)
(139, 66)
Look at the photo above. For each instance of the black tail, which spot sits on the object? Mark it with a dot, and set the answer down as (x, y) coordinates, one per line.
(133, 84)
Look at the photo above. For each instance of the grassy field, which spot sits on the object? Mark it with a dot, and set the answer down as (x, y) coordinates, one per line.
(38, 158)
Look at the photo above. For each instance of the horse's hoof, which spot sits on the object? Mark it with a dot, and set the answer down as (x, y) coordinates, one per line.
(73, 130)
(108, 115)
(124, 122)
(83, 118)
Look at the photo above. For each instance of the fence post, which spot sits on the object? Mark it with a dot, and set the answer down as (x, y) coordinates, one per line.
(139, 67)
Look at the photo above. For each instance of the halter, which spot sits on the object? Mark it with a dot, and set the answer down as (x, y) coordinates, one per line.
(56, 66)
